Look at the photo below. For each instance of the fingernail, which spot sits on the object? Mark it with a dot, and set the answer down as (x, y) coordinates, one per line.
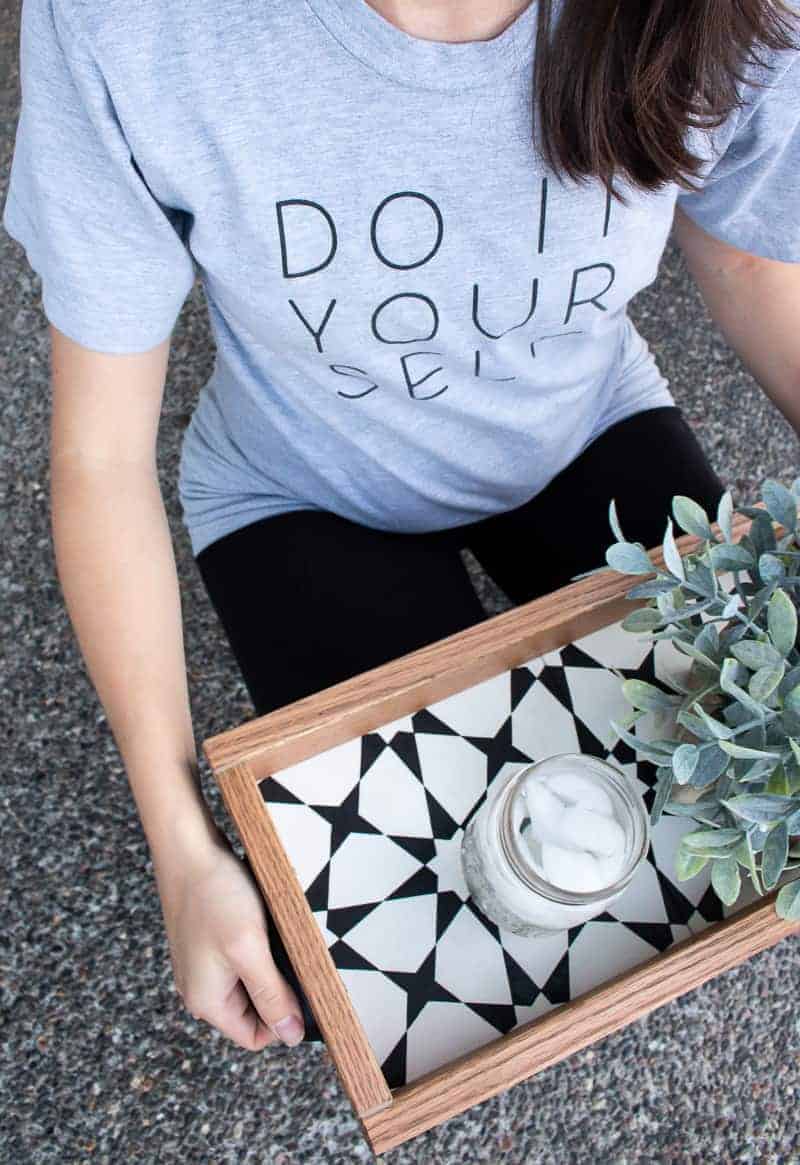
(289, 1029)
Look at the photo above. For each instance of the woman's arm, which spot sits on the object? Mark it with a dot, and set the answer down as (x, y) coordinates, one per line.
(117, 571)
(755, 302)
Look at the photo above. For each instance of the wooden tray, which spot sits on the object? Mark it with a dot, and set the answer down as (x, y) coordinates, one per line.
(458, 1010)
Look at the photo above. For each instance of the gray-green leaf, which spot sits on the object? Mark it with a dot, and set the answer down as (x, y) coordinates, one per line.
(662, 795)
(739, 750)
(731, 556)
(745, 856)
(650, 588)
(741, 853)
(725, 879)
(787, 904)
(702, 579)
(756, 654)
(795, 747)
(729, 685)
(648, 697)
(774, 854)
(732, 605)
(614, 521)
(684, 762)
(712, 841)
(641, 619)
(782, 621)
(711, 765)
(763, 808)
(688, 864)
(707, 640)
(791, 701)
(642, 747)
(764, 682)
(672, 557)
(770, 568)
(761, 535)
(719, 730)
(780, 502)
(793, 821)
(629, 558)
(759, 600)
(725, 514)
(695, 725)
(690, 649)
(691, 517)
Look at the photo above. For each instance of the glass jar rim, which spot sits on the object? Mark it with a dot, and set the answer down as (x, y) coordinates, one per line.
(547, 889)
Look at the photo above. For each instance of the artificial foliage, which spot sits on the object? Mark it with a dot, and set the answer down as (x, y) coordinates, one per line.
(732, 763)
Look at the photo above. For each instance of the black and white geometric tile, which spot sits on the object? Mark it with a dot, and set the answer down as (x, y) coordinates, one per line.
(373, 828)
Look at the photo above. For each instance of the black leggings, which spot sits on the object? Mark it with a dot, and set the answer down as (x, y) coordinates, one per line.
(308, 598)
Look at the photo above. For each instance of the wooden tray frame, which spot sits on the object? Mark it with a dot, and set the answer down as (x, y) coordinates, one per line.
(244, 755)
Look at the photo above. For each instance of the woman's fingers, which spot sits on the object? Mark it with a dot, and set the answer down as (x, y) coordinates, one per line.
(235, 1017)
(270, 995)
(220, 953)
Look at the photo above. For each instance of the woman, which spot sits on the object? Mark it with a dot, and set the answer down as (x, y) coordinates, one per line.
(418, 224)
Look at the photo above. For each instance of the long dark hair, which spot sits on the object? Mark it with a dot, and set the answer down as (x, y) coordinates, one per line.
(618, 82)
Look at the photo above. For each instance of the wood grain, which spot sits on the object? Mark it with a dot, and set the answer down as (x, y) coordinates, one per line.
(341, 1029)
(534, 1046)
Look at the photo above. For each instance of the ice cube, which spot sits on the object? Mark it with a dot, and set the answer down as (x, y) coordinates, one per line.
(545, 810)
(570, 869)
(581, 829)
(611, 868)
(578, 788)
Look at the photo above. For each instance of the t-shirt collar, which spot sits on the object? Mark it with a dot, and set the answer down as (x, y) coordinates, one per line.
(428, 64)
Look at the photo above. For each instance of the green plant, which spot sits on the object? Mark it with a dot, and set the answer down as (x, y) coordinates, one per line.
(741, 765)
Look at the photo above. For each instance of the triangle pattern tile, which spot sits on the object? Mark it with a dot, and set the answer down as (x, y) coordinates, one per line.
(477, 709)
(443, 1031)
(398, 934)
(303, 779)
(392, 797)
(374, 828)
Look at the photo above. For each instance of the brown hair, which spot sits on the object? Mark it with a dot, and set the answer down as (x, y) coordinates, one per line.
(618, 82)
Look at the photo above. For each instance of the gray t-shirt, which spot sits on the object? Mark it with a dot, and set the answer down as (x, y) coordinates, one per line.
(417, 323)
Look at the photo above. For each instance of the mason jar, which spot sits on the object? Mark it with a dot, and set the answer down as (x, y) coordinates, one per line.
(554, 843)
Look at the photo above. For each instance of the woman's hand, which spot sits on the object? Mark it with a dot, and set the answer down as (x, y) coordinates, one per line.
(221, 960)
(116, 565)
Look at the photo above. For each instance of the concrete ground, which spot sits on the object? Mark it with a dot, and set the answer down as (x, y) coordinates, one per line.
(99, 1061)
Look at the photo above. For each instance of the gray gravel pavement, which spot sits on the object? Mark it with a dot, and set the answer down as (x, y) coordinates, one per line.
(99, 1062)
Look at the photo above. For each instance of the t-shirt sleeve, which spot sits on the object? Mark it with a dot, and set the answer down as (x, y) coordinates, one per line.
(750, 195)
(112, 260)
